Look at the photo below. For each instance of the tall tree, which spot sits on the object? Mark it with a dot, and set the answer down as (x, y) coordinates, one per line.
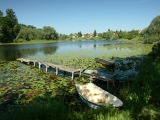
(132, 34)
(9, 26)
(27, 33)
(109, 35)
(152, 32)
(62, 36)
(79, 34)
(94, 33)
(1, 32)
(1, 14)
(50, 33)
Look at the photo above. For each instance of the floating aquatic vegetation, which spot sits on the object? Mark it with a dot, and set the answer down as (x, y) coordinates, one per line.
(20, 83)
(24, 81)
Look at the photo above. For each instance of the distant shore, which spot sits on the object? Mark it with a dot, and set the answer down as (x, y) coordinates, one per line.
(66, 40)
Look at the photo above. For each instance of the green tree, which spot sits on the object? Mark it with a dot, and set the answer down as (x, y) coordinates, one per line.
(103, 35)
(123, 34)
(115, 36)
(94, 33)
(70, 36)
(1, 14)
(9, 26)
(155, 50)
(152, 32)
(40, 34)
(79, 34)
(49, 33)
(62, 36)
(109, 35)
(29, 32)
(132, 34)
(1, 32)
(100, 35)
(23, 34)
(120, 34)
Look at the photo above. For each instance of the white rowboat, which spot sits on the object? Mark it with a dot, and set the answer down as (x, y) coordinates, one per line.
(95, 96)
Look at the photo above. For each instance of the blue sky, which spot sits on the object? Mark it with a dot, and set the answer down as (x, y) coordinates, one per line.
(72, 16)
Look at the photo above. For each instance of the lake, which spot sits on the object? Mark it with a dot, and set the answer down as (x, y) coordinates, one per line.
(21, 83)
(88, 48)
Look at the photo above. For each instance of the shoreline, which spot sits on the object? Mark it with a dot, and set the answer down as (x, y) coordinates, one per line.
(31, 42)
(53, 41)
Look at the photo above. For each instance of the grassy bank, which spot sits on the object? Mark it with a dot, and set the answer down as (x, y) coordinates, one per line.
(56, 109)
(142, 96)
(47, 41)
(31, 42)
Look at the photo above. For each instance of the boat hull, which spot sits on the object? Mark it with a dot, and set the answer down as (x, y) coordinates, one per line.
(104, 98)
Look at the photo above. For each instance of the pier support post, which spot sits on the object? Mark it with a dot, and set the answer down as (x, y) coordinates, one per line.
(39, 65)
(80, 73)
(56, 71)
(34, 64)
(72, 75)
(47, 68)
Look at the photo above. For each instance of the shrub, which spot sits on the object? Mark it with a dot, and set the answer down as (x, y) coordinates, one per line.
(156, 50)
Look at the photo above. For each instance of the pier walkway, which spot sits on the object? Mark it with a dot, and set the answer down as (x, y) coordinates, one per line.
(52, 65)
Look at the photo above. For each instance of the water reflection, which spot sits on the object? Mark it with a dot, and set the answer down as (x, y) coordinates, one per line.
(12, 52)
(95, 47)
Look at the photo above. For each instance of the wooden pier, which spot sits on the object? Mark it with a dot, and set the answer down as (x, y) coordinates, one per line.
(105, 63)
(52, 65)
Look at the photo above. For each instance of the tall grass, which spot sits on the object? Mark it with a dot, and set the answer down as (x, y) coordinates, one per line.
(142, 96)
(37, 110)
(54, 109)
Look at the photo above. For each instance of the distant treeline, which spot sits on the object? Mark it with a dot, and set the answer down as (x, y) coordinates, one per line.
(12, 31)
(148, 35)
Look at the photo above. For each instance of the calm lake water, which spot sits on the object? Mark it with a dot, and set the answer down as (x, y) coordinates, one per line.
(93, 47)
